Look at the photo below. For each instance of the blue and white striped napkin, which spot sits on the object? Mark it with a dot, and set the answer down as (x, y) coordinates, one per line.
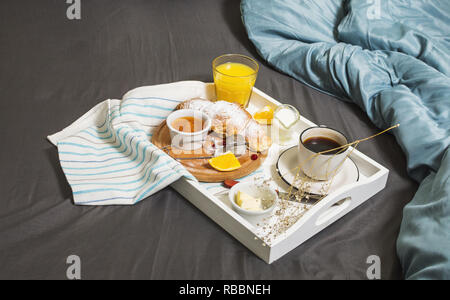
(107, 155)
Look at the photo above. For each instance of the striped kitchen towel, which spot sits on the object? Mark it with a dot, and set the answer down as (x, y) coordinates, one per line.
(107, 155)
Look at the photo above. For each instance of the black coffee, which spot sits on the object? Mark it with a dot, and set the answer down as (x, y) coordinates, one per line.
(320, 144)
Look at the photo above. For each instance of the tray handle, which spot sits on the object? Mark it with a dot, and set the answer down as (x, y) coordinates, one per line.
(336, 205)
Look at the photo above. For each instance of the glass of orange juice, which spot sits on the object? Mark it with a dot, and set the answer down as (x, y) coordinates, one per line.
(234, 78)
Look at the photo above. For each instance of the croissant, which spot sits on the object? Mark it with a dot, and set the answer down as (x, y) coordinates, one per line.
(231, 119)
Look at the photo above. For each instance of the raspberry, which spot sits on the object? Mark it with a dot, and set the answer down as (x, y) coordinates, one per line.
(254, 156)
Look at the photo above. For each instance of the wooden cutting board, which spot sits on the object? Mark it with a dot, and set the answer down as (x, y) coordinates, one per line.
(200, 168)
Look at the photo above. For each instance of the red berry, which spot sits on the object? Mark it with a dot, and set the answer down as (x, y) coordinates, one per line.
(230, 183)
(213, 145)
(254, 156)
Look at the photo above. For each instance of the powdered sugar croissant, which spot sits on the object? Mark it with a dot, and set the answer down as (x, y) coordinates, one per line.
(231, 119)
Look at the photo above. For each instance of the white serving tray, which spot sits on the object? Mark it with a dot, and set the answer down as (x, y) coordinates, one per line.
(248, 231)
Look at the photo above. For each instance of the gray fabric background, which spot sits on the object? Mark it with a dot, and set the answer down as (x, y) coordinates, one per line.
(53, 70)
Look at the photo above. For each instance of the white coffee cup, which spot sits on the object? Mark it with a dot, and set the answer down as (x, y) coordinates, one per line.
(326, 165)
(188, 140)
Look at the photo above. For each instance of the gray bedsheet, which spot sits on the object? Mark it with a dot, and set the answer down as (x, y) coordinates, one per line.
(53, 70)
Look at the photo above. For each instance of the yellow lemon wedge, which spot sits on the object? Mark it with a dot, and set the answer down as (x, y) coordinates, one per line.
(225, 162)
(264, 115)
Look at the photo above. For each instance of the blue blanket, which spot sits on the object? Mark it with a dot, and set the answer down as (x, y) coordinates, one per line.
(392, 58)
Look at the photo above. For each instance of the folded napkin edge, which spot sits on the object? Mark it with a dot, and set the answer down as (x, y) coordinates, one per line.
(81, 123)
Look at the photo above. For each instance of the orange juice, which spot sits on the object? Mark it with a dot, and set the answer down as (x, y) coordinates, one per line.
(234, 82)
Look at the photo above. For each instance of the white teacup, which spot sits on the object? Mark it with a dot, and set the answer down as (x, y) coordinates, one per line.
(189, 141)
(323, 166)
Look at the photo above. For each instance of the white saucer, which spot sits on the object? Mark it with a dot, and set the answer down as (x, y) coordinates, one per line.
(286, 169)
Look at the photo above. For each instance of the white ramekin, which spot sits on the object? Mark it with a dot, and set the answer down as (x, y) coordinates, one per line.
(254, 190)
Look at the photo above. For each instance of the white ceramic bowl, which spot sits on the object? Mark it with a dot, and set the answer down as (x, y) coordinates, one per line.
(323, 166)
(254, 190)
(188, 140)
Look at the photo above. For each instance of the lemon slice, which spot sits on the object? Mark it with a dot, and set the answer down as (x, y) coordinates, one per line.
(264, 116)
(225, 162)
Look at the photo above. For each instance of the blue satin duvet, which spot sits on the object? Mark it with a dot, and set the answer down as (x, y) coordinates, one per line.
(392, 58)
